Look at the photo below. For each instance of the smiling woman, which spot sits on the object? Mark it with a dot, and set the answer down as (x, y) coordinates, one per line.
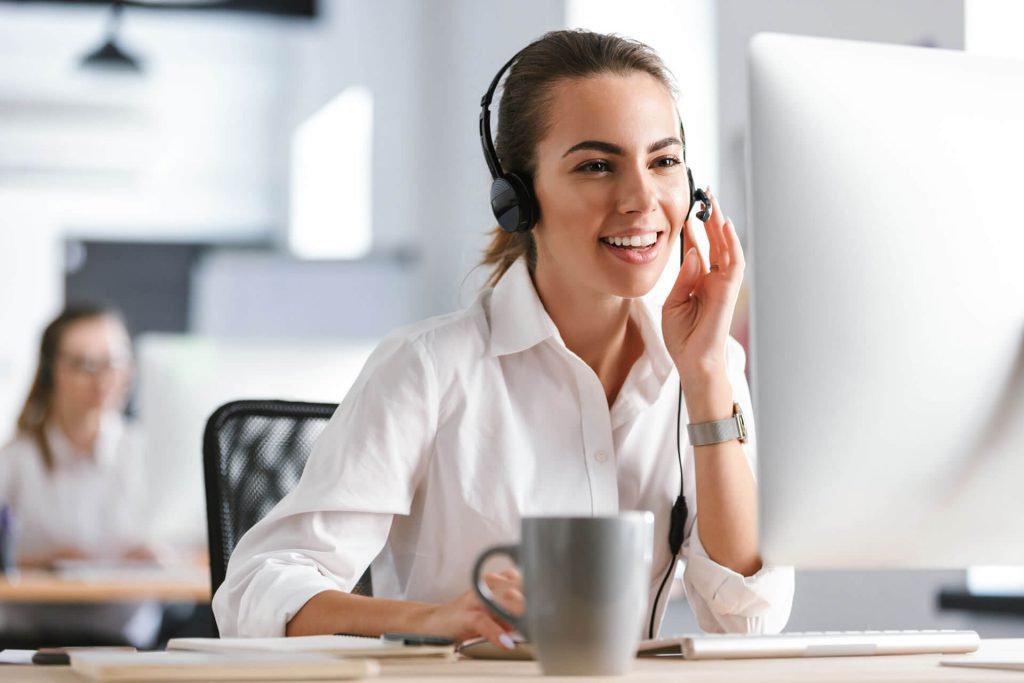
(554, 393)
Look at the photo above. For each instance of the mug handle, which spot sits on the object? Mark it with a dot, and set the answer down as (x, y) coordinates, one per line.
(483, 591)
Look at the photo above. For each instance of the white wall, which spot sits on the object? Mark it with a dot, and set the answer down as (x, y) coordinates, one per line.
(465, 43)
(31, 291)
(184, 151)
(994, 27)
(938, 23)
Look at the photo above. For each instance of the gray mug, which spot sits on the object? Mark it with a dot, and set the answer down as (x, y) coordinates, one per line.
(585, 581)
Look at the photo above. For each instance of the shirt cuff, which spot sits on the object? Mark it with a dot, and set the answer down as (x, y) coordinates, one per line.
(275, 595)
(727, 601)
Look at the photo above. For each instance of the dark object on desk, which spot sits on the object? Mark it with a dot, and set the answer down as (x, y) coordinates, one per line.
(417, 639)
(253, 454)
(1012, 605)
(61, 656)
(8, 561)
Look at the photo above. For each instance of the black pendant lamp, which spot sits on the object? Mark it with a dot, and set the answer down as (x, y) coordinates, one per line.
(109, 56)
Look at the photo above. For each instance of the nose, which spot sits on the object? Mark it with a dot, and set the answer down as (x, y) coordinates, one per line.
(637, 192)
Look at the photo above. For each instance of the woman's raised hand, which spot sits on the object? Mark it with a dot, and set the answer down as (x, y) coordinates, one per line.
(698, 312)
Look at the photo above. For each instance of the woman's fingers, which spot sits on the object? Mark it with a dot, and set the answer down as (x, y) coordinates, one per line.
(506, 588)
(512, 574)
(691, 243)
(512, 600)
(493, 632)
(687, 278)
(738, 261)
(714, 244)
(719, 250)
(500, 580)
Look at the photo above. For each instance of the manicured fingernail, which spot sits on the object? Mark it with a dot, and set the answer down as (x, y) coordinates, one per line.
(506, 640)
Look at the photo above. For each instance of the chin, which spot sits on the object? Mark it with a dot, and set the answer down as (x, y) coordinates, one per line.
(635, 285)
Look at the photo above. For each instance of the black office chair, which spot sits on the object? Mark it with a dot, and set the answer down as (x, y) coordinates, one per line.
(253, 454)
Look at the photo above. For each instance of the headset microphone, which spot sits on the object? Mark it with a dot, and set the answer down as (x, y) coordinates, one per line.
(704, 213)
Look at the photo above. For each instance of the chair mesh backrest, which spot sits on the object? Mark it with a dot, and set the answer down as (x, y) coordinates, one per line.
(253, 455)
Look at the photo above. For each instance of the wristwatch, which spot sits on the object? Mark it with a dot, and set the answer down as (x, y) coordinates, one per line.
(719, 431)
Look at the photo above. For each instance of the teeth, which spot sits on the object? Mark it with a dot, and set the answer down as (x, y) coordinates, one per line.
(644, 240)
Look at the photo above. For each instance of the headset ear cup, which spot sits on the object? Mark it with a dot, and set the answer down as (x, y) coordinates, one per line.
(513, 204)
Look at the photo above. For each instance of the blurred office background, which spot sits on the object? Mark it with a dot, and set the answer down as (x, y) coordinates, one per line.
(266, 188)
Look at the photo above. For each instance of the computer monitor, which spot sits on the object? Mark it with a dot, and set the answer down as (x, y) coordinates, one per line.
(886, 265)
(183, 379)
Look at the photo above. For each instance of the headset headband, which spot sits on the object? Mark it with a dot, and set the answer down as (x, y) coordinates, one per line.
(490, 154)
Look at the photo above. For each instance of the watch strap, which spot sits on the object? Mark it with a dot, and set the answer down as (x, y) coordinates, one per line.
(718, 431)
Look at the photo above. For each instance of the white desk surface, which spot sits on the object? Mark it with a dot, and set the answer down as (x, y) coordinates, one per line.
(902, 669)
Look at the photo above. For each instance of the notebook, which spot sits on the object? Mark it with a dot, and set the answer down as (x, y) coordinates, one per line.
(202, 666)
(336, 646)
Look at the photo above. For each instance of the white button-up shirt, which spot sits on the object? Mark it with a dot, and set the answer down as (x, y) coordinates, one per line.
(89, 501)
(456, 428)
(94, 502)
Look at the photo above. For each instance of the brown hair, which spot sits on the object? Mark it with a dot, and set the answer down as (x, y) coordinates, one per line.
(523, 112)
(39, 403)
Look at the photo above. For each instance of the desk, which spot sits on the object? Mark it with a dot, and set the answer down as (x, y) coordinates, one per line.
(45, 587)
(895, 669)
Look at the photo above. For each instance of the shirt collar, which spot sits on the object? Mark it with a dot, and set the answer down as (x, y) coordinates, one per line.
(518, 318)
(654, 343)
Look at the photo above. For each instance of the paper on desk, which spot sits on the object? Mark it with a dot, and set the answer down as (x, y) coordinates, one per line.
(204, 666)
(338, 646)
(16, 656)
(1011, 663)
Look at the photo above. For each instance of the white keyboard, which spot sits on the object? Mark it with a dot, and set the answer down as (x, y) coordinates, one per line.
(813, 644)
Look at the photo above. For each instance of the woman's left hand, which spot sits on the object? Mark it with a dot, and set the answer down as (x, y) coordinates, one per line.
(697, 314)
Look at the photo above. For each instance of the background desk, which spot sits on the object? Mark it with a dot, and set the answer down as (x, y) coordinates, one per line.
(43, 587)
(923, 668)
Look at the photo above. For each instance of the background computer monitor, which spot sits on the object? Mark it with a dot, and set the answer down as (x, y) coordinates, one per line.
(887, 280)
(182, 379)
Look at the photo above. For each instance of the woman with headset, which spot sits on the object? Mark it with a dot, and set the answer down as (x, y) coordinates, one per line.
(557, 392)
(71, 481)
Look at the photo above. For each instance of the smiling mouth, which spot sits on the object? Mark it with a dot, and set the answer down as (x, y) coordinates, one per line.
(642, 242)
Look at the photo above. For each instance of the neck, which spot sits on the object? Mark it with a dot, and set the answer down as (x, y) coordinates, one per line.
(80, 428)
(594, 326)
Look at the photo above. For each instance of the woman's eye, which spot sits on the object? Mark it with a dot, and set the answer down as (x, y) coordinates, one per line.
(597, 166)
(667, 162)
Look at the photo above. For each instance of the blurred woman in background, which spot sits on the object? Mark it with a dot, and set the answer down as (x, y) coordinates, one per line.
(70, 477)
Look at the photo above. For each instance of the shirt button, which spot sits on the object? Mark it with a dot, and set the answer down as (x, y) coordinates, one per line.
(601, 456)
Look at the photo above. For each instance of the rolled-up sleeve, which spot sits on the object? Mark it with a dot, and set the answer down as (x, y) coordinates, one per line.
(723, 600)
(363, 470)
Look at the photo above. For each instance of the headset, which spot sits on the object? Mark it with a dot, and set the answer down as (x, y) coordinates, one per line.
(516, 209)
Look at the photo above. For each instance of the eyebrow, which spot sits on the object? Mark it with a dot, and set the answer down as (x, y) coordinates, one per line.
(609, 148)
